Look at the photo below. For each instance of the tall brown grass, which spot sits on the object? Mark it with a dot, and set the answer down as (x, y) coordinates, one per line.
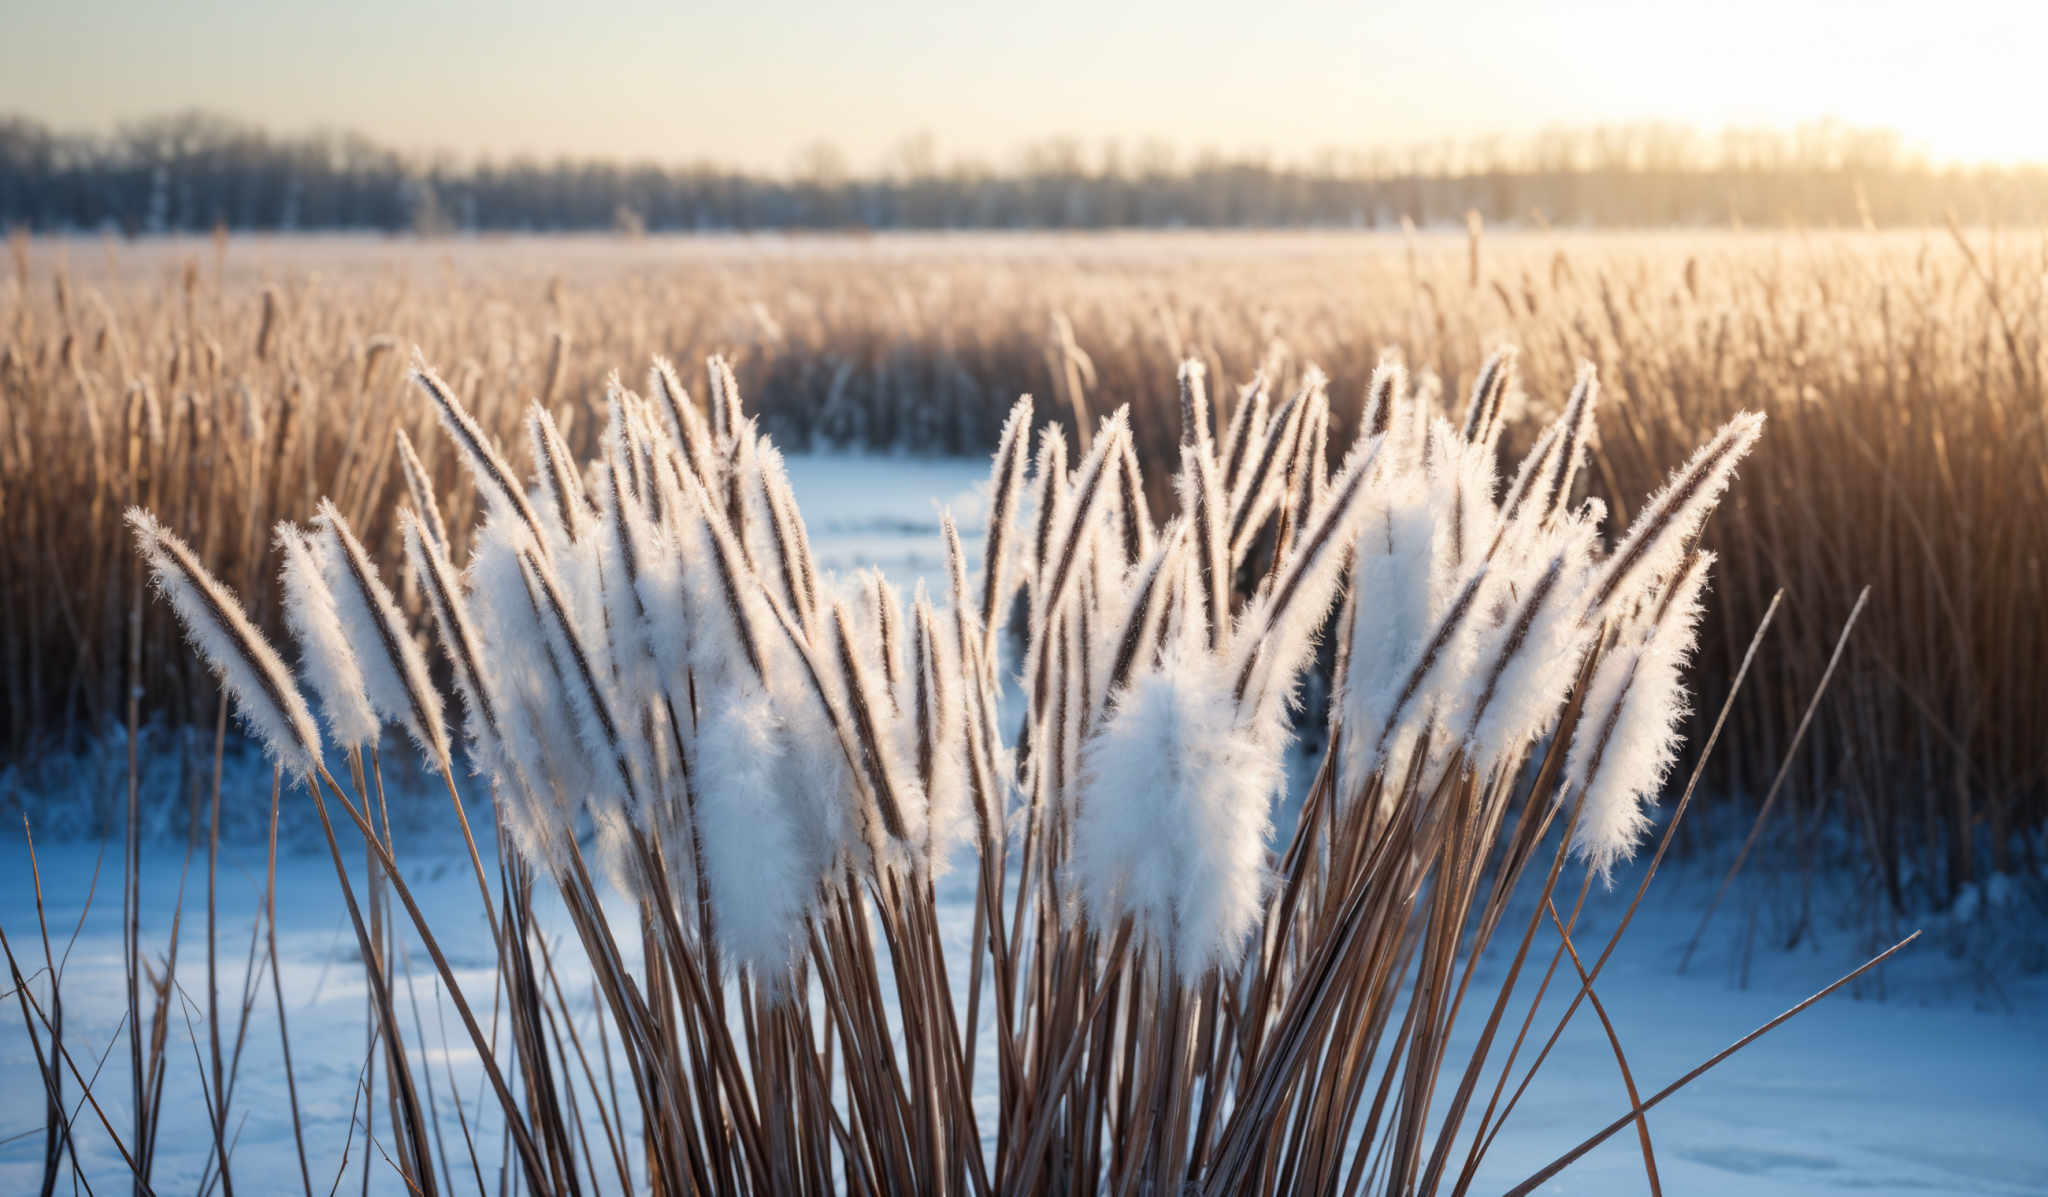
(228, 384)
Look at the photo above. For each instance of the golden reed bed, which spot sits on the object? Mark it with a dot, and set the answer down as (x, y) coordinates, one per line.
(228, 384)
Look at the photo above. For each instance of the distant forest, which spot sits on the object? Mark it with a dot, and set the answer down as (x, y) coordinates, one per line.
(194, 172)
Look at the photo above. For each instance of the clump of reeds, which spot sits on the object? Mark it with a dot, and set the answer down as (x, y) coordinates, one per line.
(663, 696)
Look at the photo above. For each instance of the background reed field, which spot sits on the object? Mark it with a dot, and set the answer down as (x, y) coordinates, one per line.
(228, 384)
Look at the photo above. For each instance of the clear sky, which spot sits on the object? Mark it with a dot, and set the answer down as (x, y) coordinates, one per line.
(754, 82)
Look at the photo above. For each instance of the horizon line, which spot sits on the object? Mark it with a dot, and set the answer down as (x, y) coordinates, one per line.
(1680, 147)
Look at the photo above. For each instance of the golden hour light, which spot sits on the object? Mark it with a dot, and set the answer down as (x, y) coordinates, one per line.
(1135, 599)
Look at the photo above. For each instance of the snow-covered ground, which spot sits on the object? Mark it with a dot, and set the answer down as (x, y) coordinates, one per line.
(1926, 1079)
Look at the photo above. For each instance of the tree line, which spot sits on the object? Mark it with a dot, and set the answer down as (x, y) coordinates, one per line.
(194, 172)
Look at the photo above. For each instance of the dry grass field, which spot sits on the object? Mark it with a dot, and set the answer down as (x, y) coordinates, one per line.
(229, 384)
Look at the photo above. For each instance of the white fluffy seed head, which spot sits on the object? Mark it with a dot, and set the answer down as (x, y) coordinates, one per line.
(448, 602)
(1048, 499)
(1006, 489)
(540, 735)
(1392, 610)
(1205, 506)
(1173, 817)
(1628, 731)
(1656, 541)
(726, 413)
(266, 698)
(939, 713)
(1286, 618)
(670, 579)
(733, 628)
(561, 487)
(394, 670)
(1246, 436)
(628, 542)
(685, 424)
(897, 805)
(1461, 484)
(758, 874)
(326, 659)
(1577, 431)
(583, 687)
(1387, 391)
(1528, 650)
(1482, 411)
(1258, 487)
(777, 543)
(1441, 668)
(494, 478)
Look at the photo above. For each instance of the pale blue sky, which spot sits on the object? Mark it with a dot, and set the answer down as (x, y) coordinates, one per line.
(753, 83)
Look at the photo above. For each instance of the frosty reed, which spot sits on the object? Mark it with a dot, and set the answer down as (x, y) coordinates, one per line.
(662, 698)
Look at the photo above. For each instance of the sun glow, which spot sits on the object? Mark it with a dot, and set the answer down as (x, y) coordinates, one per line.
(1959, 83)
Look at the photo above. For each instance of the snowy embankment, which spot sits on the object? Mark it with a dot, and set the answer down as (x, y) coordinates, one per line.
(1918, 1080)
